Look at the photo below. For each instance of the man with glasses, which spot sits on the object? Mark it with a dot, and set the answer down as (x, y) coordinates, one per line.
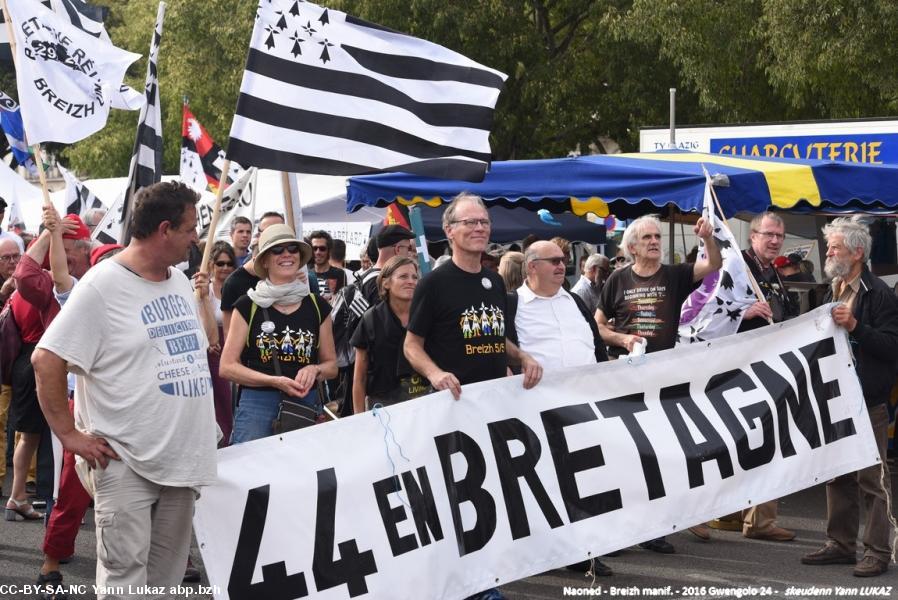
(596, 270)
(9, 258)
(768, 232)
(330, 279)
(457, 329)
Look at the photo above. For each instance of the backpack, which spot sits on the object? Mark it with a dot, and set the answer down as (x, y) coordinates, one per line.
(349, 305)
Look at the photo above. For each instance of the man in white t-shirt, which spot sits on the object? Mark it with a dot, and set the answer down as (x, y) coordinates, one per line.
(144, 416)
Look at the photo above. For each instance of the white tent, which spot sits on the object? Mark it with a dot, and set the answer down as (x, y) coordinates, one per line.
(323, 198)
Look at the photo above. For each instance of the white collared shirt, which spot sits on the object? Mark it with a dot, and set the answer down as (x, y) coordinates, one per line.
(553, 330)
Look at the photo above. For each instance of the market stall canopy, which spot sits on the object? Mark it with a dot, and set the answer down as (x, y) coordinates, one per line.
(514, 225)
(629, 185)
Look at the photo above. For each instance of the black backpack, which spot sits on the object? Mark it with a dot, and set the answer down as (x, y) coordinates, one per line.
(349, 306)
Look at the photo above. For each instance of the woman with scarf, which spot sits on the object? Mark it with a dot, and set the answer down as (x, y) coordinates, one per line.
(280, 340)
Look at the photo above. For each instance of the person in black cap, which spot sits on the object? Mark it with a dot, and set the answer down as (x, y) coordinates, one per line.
(392, 240)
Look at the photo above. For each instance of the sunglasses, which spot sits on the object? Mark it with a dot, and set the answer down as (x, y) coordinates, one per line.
(319, 248)
(555, 260)
(224, 263)
(291, 248)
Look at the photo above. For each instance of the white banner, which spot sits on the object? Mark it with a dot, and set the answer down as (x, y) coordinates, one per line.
(354, 234)
(66, 78)
(238, 200)
(437, 498)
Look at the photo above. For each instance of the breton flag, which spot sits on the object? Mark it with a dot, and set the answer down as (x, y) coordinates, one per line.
(79, 199)
(11, 123)
(17, 192)
(201, 158)
(146, 162)
(66, 78)
(326, 93)
(109, 229)
(89, 19)
(715, 309)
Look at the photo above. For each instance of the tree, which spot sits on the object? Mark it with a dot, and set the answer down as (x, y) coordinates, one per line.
(203, 50)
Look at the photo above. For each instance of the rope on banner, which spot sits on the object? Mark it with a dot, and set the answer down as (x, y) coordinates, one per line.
(378, 411)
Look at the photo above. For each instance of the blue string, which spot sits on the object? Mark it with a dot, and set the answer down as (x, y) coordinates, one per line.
(378, 410)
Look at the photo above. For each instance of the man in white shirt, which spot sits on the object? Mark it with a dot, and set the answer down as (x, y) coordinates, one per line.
(144, 417)
(548, 320)
(555, 327)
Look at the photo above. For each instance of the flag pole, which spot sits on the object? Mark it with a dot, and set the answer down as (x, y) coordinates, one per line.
(288, 201)
(216, 213)
(751, 278)
(36, 148)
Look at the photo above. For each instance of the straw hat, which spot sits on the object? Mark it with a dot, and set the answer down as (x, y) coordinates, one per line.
(278, 235)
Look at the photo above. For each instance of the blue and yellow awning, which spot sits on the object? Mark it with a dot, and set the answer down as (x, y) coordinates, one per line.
(632, 184)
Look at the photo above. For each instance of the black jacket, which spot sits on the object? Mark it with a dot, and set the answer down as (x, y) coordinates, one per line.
(875, 338)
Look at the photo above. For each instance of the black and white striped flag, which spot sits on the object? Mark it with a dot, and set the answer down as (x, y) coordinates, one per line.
(326, 93)
(79, 200)
(146, 162)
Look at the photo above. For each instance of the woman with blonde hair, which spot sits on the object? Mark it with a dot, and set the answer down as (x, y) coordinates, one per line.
(382, 375)
(280, 341)
(511, 269)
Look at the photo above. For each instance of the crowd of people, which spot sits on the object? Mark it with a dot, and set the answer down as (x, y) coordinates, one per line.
(142, 372)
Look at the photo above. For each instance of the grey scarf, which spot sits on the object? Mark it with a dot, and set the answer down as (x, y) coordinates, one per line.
(266, 293)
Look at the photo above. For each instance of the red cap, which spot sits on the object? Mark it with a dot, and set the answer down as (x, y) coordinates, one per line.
(780, 261)
(82, 233)
(100, 251)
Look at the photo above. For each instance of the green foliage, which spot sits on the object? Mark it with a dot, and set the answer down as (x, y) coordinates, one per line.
(202, 54)
(577, 70)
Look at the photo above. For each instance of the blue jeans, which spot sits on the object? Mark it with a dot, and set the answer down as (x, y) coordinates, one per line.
(256, 411)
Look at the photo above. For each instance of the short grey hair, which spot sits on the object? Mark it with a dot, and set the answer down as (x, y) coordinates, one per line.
(594, 261)
(449, 213)
(631, 233)
(854, 233)
(759, 218)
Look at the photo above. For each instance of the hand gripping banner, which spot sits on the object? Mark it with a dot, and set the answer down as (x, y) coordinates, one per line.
(437, 498)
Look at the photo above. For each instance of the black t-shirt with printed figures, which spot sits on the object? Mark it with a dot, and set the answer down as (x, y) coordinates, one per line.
(461, 317)
(647, 306)
(294, 338)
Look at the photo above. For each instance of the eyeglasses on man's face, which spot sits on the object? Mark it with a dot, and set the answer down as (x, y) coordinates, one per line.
(771, 235)
(10, 258)
(472, 223)
(319, 248)
(555, 260)
(404, 247)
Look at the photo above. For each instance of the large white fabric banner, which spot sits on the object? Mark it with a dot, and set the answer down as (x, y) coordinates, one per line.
(437, 498)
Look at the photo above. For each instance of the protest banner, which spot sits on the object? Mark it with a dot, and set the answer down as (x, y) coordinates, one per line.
(437, 498)
(355, 235)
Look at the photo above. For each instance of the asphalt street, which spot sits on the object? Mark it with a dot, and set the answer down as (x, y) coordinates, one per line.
(728, 566)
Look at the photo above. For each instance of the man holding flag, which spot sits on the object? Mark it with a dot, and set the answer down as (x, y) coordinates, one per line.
(644, 299)
(767, 236)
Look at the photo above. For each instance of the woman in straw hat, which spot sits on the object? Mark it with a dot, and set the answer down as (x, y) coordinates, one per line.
(280, 341)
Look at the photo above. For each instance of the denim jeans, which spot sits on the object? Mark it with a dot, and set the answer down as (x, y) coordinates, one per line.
(256, 411)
